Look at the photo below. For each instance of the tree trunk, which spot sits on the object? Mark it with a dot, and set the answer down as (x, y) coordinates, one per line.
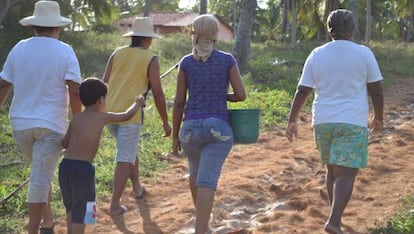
(234, 18)
(410, 21)
(147, 8)
(353, 5)
(368, 22)
(330, 6)
(5, 8)
(203, 7)
(294, 18)
(243, 38)
(284, 19)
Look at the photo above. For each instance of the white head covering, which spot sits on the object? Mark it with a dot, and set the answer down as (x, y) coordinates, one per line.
(46, 14)
(205, 29)
(142, 27)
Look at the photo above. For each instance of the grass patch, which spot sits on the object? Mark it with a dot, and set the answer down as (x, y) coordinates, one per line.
(402, 222)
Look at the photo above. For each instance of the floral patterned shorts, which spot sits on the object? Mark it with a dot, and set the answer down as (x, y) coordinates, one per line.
(342, 144)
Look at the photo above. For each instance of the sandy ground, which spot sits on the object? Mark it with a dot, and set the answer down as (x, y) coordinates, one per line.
(274, 186)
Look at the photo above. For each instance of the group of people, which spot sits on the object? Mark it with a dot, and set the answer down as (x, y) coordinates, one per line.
(341, 72)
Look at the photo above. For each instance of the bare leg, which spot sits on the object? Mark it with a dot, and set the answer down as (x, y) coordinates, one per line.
(329, 181)
(122, 173)
(35, 216)
(134, 177)
(193, 189)
(78, 228)
(69, 222)
(342, 191)
(47, 213)
(205, 198)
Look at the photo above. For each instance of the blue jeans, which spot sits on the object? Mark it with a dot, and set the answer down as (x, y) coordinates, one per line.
(206, 143)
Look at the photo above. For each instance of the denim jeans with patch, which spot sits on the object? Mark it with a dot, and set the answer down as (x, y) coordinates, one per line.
(206, 143)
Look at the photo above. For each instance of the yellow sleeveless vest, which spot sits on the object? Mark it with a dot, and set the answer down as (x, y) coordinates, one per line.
(128, 79)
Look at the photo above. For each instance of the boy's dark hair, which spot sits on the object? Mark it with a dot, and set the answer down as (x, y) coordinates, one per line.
(91, 89)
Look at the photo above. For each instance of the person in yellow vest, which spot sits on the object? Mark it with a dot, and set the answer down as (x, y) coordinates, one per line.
(129, 72)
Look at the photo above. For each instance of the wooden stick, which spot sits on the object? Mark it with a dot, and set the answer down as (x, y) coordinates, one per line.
(9, 164)
(2, 202)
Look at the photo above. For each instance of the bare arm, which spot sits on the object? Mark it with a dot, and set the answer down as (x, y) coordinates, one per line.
(5, 88)
(178, 110)
(128, 114)
(239, 92)
(158, 93)
(375, 91)
(108, 69)
(301, 95)
(65, 141)
(75, 103)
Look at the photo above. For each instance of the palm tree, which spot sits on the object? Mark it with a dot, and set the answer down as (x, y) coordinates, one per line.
(405, 11)
(88, 13)
(353, 5)
(285, 6)
(148, 7)
(294, 19)
(203, 7)
(7, 5)
(243, 38)
(368, 21)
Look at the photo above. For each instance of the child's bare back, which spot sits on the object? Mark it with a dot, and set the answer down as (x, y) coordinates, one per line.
(85, 129)
(84, 134)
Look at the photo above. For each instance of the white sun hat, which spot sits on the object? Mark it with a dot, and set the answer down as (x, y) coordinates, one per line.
(46, 14)
(142, 27)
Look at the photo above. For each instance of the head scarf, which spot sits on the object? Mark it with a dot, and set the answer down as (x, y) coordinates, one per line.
(204, 35)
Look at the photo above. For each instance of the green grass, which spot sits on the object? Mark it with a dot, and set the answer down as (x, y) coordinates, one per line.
(274, 71)
(402, 222)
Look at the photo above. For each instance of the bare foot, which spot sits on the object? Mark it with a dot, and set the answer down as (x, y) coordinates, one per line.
(330, 228)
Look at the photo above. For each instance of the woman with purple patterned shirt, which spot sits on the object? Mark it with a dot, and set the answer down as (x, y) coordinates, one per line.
(200, 104)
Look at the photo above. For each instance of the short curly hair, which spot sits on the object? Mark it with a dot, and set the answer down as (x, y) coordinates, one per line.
(91, 90)
(341, 24)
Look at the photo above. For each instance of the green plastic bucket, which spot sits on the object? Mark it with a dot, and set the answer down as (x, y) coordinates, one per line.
(245, 125)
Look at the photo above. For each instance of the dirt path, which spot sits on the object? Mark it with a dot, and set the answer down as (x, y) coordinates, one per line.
(275, 186)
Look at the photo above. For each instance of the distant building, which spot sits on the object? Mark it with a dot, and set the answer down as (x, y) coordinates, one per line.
(170, 23)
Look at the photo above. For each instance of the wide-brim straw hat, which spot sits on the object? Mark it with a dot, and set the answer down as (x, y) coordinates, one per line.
(142, 27)
(46, 14)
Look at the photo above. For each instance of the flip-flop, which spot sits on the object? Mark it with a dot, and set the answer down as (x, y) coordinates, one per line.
(120, 211)
(141, 194)
(44, 230)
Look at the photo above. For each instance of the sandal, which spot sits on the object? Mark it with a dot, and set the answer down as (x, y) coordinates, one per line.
(44, 230)
(120, 211)
(141, 194)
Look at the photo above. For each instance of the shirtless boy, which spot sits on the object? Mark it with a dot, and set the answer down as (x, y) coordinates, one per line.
(76, 172)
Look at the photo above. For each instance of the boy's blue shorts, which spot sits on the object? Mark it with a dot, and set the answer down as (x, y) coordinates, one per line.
(77, 184)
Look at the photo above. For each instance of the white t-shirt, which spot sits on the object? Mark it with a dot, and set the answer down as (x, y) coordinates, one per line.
(38, 68)
(339, 72)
